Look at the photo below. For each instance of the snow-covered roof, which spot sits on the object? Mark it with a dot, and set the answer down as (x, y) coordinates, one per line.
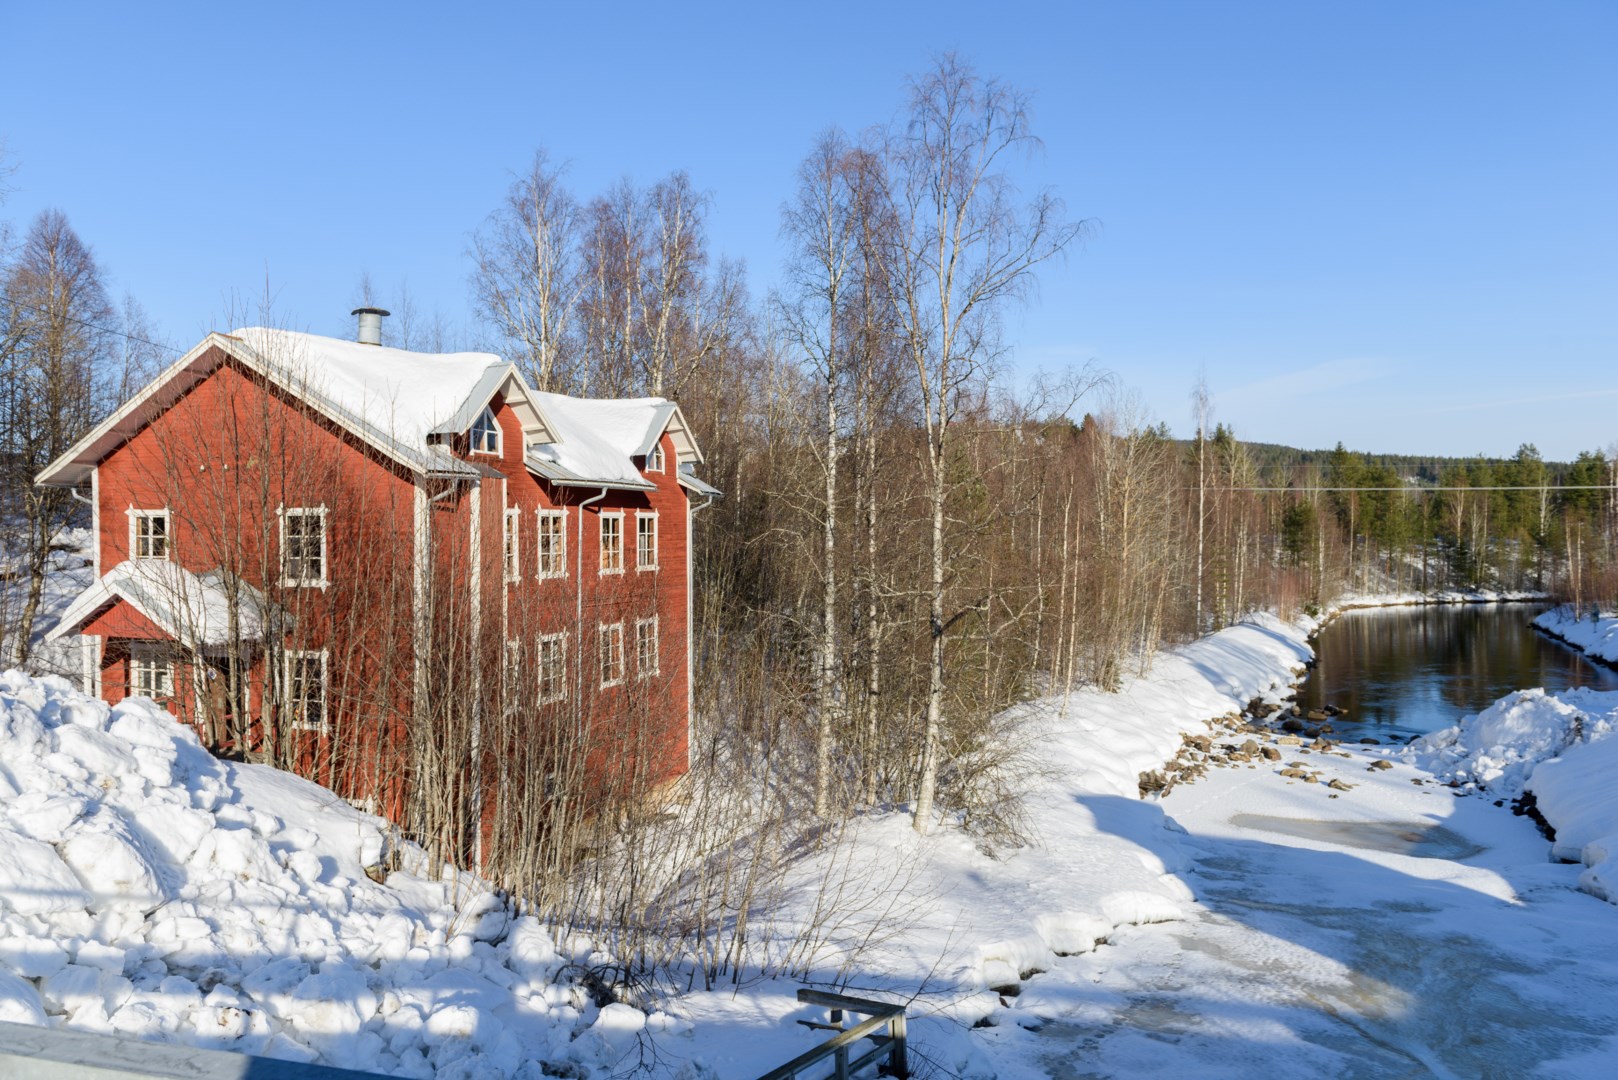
(692, 482)
(595, 440)
(404, 395)
(403, 403)
(193, 609)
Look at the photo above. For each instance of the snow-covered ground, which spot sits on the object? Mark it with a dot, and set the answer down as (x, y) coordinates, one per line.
(148, 889)
(1595, 636)
(1390, 930)
(1560, 748)
(1350, 601)
(1251, 920)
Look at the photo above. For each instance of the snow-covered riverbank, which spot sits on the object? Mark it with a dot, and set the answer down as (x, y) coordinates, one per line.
(1356, 916)
(148, 889)
(1596, 637)
(1562, 749)
(1252, 919)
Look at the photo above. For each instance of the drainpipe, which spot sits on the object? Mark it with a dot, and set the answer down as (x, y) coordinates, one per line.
(578, 645)
(691, 626)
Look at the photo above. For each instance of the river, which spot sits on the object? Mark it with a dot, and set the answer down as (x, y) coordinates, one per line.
(1406, 671)
(1391, 928)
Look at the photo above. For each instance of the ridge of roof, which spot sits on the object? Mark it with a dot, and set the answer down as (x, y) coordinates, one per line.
(398, 401)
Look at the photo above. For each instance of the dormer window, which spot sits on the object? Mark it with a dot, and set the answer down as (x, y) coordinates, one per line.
(485, 434)
(654, 460)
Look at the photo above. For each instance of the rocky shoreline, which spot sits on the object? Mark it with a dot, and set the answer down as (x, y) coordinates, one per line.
(1265, 733)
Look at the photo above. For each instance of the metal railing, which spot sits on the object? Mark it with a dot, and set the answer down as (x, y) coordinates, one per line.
(890, 1043)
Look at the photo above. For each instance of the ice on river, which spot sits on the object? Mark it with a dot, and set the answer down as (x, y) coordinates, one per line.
(1396, 930)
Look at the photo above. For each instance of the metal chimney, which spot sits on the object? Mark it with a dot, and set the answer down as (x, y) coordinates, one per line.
(370, 324)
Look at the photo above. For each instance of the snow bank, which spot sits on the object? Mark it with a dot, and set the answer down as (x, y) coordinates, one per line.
(1578, 795)
(148, 889)
(1595, 636)
(1500, 746)
(1559, 747)
(1100, 857)
(1351, 601)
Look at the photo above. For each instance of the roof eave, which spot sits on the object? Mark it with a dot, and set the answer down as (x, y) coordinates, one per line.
(700, 487)
(70, 470)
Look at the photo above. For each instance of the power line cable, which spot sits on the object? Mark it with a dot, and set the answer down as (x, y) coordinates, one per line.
(90, 325)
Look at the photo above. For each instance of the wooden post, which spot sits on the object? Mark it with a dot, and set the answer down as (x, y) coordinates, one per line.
(842, 1051)
(898, 1060)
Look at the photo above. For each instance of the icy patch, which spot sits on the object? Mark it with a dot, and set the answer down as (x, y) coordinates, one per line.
(1397, 837)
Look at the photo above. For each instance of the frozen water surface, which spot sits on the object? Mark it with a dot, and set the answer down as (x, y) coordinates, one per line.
(1421, 839)
(1387, 947)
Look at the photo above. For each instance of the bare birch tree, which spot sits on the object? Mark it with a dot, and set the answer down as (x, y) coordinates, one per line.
(57, 343)
(964, 249)
(525, 274)
(821, 225)
(1200, 412)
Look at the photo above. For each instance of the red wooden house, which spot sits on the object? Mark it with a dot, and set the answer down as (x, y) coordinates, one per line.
(372, 564)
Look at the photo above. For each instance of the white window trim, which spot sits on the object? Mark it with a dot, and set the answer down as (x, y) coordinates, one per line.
(287, 582)
(605, 633)
(135, 517)
(601, 560)
(511, 545)
(153, 654)
(647, 515)
(540, 517)
(539, 667)
(499, 436)
(654, 459)
(324, 726)
(657, 649)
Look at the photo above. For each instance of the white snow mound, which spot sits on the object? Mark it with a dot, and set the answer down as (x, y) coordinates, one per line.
(1559, 747)
(149, 889)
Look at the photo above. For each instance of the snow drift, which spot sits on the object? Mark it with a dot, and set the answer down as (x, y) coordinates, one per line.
(1558, 747)
(148, 889)
(1597, 636)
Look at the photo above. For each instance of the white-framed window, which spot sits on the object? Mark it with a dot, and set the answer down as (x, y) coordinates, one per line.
(151, 671)
(645, 541)
(552, 543)
(148, 534)
(611, 644)
(552, 667)
(612, 542)
(513, 556)
(485, 433)
(306, 690)
(654, 460)
(303, 546)
(646, 650)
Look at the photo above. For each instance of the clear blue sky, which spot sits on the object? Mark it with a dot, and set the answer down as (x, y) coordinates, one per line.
(1390, 224)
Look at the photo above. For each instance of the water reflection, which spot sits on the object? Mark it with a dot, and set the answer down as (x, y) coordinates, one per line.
(1407, 671)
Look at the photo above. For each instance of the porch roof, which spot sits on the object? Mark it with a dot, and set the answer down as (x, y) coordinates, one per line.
(193, 609)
